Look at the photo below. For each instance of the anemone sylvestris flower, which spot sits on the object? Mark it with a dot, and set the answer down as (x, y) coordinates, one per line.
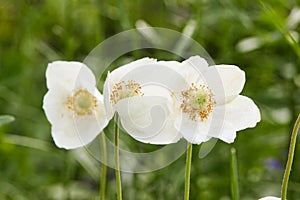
(211, 104)
(73, 105)
(270, 198)
(136, 92)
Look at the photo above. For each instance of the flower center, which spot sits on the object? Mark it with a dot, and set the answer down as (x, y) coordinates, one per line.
(197, 102)
(124, 89)
(82, 102)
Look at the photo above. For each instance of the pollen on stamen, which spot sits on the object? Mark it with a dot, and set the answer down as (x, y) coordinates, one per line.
(82, 102)
(124, 89)
(197, 102)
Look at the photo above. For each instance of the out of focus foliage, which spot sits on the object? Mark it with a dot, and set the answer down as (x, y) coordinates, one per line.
(260, 37)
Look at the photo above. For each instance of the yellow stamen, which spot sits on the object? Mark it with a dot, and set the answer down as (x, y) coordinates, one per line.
(197, 102)
(82, 102)
(124, 89)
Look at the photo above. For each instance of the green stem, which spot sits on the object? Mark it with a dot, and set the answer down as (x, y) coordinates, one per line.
(234, 175)
(290, 159)
(188, 171)
(118, 175)
(103, 168)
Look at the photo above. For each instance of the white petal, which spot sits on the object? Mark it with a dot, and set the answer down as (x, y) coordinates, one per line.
(220, 128)
(193, 131)
(197, 62)
(106, 93)
(88, 127)
(270, 198)
(242, 113)
(157, 74)
(156, 90)
(119, 73)
(99, 112)
(227, 119)
(194, 68)
(78, 131)
(191, 69)
(55, 105)
(117, 76)
(69, 75)
(199, 131)
(225, 81)
(147, 119)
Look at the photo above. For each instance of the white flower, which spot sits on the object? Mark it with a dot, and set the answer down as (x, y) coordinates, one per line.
(211, 104)
(270, 198)
(73, 105)
(136, 91)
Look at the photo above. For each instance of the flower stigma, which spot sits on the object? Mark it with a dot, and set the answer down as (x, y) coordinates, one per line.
(197, 102)
(82, 102)
(124, 89)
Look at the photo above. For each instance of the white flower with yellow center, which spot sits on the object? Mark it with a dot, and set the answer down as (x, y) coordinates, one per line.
(136, 92)
(211, 104)
(73, 105)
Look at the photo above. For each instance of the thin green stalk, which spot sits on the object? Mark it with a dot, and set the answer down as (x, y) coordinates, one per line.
(68, 174)
(188, 171)
(234, 175)
(290, 159)
(118, 175)
(103, 168)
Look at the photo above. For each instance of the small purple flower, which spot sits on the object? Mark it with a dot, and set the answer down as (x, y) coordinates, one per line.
(273, 163)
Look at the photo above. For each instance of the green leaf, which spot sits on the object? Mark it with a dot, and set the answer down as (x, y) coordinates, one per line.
(4, 119)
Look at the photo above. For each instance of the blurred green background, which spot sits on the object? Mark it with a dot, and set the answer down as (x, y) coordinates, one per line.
(259, 37)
